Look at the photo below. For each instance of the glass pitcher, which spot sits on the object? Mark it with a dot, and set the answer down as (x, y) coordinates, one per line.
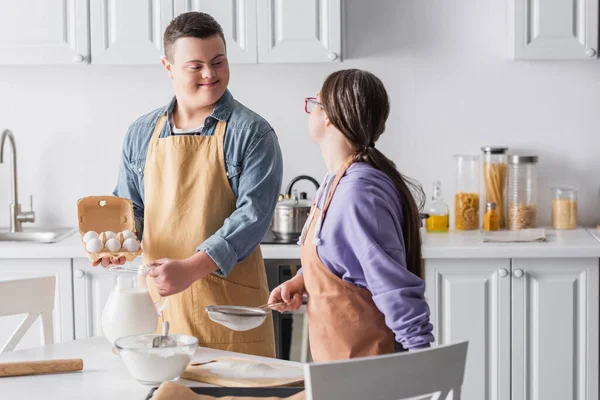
(129, 309)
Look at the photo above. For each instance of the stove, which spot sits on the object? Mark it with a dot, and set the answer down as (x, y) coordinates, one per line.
(277, 273)
(270, 238)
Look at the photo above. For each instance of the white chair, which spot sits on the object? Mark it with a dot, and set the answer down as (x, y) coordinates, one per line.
(439, 370)
(34, 297)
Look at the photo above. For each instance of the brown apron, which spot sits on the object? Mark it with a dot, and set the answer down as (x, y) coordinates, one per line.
(343, 320)
(187, 199)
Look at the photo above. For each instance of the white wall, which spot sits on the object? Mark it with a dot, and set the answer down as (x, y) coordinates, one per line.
(444, 64)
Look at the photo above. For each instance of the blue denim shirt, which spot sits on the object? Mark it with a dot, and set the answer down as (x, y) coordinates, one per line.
(254, 168)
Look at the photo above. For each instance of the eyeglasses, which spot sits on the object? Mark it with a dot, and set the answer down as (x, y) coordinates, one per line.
(310, 103)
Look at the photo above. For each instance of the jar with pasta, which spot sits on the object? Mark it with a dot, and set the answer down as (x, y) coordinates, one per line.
(521, 195)
(494, 180)
(466, 198)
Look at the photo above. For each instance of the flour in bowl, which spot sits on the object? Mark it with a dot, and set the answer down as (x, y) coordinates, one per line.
(156, 367)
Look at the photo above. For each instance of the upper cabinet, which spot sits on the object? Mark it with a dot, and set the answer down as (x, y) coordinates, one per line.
(238, 20)
(553, 29)
(128, 32)
(44, 32)
(299, 30)
(268, 31)
(118, 32)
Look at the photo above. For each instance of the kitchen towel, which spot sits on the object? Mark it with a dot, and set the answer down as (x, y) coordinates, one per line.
(524, 235)
(177, 391)
(239, 372)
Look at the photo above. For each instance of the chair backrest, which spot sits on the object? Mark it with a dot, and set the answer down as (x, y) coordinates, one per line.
(390, 377)
(33, 297)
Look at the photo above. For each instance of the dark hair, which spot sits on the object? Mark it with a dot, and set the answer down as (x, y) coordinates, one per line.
(357, 104)
(191, 24)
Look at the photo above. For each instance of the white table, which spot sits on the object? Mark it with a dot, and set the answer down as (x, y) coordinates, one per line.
(104, 376)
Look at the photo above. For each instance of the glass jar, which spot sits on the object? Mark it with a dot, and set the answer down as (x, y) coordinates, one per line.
(438, 220)
(521, 195)
(491, 219)
(564, 208)
(494, 180)
(466, 199)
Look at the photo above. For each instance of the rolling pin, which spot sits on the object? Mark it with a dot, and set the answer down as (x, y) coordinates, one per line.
(40, 367)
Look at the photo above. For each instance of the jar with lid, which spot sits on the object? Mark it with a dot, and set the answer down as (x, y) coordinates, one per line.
(522, 192)
(466, 198)
(491, 219)
(564, 208)
(494, 180)
(437, 210)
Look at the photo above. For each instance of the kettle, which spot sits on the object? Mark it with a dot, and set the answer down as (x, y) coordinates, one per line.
(291, 212)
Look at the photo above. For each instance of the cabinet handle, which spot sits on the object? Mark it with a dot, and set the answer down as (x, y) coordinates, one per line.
(590, 52)
(79, 273)
(503, 273)
(78, 58)
(518, 273)
(332, 56)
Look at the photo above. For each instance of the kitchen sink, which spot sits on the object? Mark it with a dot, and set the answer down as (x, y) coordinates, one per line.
(34, 235)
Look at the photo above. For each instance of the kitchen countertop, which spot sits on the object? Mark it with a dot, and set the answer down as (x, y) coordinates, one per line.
(104, 376)
(561, 244)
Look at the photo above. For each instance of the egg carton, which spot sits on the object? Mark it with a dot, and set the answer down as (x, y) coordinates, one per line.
(103, 214)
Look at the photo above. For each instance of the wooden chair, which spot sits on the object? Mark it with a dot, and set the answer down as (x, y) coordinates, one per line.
(438, 370)
(33, 297)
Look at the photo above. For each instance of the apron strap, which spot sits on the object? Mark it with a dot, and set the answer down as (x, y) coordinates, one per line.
(337, 180)
(158, 127)
(220, 128)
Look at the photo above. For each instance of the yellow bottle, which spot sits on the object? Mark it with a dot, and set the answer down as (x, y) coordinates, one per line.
(491, 219)
(438, 211)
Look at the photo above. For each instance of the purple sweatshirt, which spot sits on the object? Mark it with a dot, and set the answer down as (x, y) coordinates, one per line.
(361, 241)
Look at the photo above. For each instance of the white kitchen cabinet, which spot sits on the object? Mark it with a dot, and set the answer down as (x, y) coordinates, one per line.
(555, 329)
(63, 307)
(238, 20)
(470, 300)
(91, 288)
(532, 324)
(553, 29)
(128, 32)
(44, 32)
(299, 30)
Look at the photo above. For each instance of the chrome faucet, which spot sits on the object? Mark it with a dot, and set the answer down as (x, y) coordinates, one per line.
(16, 216)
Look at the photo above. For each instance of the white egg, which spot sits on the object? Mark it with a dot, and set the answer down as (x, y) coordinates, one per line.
(94, 245)
(113, 245)
(110, 235)
(131, 245)
(89, 235)
(127, 234)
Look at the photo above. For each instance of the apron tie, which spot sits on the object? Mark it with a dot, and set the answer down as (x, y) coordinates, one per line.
(311, 215)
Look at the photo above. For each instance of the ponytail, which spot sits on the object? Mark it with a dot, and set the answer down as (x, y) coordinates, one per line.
(412, 199)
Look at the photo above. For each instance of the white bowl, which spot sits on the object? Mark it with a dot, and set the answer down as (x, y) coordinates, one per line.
(152, 366)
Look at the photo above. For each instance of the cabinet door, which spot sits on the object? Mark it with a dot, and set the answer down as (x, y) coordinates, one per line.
(555, 329)
(553, 29)
(238, 20)
(63, 303)
(129, 32)
(91, 286)
(299, 30)
(44, 32)
(470, 300)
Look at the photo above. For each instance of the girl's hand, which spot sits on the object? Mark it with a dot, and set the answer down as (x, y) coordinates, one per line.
(289, 292)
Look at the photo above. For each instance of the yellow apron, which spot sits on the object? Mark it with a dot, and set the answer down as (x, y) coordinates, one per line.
(187, 199)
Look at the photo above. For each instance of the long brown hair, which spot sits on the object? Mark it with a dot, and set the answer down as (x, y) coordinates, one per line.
(357, 104)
